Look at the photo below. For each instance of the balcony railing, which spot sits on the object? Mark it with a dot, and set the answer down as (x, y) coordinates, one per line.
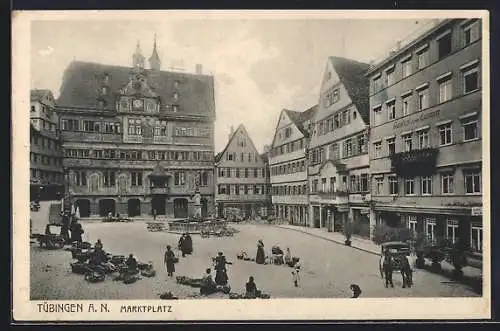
(332, 194)
(160, 190)
(416, 162)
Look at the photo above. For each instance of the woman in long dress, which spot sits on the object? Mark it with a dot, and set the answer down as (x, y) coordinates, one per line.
(261, 256)
(221, 277)
(169, 261)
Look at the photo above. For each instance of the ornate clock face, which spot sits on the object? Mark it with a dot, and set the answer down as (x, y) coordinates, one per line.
(138, 103)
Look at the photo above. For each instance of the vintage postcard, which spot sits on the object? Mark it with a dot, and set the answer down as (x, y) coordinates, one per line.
(250, 165)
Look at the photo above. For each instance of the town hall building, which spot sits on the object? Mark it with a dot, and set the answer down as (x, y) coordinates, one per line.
(136, 139)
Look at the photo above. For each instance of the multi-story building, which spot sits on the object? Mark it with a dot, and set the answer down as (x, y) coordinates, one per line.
(137, 139)
(338, 150)
(287, 165)
(425, 155)
(46, 175)
(242, 177)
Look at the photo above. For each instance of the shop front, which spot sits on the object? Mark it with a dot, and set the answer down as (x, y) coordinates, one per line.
(361, 220)
(440, 226)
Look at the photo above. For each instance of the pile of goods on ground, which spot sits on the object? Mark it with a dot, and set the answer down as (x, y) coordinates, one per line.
(259, 295)
(197, 283)
(116, 219)
(244, 256)
(95, 265)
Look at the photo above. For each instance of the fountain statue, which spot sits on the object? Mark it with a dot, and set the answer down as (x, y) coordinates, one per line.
(197, 204)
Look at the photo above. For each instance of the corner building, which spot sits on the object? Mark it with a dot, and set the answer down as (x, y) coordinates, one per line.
(137, 139)
(242, 177)
(338, 170)
(425, 153)
(288, 166)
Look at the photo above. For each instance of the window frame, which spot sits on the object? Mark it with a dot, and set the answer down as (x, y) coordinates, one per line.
(445, 128)
(445, 36)
(411, 181)
(407, 65)
(470, 174)
(405, 141)
(469, 121)
(393, 183)
(479, 229)
(426, 182)
(449, 92)
(450, 187)
(452, 224)
(424, 133)
(467, 72)
(377, 149)
(423, 95)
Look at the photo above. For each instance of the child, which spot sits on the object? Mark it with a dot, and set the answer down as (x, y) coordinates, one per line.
(296, 274)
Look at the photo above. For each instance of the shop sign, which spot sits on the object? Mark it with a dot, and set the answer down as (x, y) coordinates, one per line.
(364, 211)
(407, 121)
(358, 197)
(477, 211)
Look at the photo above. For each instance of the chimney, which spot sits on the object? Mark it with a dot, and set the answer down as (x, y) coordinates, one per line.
(398, 45)
(231, 131)
(199, 69)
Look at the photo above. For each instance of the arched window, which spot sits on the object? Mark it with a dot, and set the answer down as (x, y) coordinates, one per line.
(203, 178)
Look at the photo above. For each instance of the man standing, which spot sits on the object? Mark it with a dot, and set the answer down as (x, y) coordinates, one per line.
(154, 214)
(406, 272)
(169, 261)
(387, 266)
(76, 232)
(182, 244)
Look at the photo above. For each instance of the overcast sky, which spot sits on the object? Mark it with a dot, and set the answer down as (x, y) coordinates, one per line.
(259, 66)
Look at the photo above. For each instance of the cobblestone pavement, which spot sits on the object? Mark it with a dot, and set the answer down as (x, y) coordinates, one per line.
(327, 268)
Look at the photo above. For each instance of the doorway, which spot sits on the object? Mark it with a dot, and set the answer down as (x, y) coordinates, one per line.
(204, 207)
(83, 207)
(134, 207)
(180, 208)
(106, 206)
(158, 205)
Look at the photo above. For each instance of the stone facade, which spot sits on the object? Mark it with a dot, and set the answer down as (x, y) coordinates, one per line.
(46, 174)
(425, 155)
(242, 178)
(137, 140)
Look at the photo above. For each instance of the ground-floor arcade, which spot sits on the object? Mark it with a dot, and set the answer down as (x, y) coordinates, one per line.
(167, 206)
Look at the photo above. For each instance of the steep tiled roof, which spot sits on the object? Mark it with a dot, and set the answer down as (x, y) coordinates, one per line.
(241, 127)
(38, 94)
(221, 153)
(82, 81)
(352, 76)
(298, 118)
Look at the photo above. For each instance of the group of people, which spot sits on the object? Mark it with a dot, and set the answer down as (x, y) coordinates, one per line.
(71, 224)
(387, 267)
(185, 245)
(287, 258)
